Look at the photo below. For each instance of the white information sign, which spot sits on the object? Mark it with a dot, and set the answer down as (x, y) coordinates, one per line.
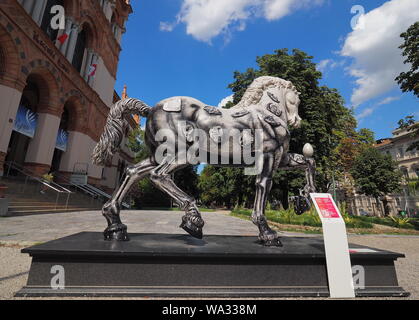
(339, 269)
(78, 179)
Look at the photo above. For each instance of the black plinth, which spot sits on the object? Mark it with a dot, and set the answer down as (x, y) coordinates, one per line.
(168, 265)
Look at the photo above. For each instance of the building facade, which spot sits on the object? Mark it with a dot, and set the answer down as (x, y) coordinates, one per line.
(58, 65)
(408, 161)
(397, 147)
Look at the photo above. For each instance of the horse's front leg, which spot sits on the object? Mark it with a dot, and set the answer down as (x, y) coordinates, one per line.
(293, 161)
(310, 187)
(267, 236)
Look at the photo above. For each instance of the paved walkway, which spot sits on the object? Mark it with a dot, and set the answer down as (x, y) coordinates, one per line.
(46, 227)
(18, 232)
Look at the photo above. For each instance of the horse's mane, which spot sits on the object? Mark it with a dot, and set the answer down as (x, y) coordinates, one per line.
(254, 92)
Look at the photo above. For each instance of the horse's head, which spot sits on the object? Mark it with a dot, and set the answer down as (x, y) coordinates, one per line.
(292, 102)
(274, 90)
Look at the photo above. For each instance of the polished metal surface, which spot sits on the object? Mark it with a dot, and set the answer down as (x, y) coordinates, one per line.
(256, 129)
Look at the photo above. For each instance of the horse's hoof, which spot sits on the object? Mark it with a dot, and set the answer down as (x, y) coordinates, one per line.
(116, 232)
(192, 229)
(272, 243)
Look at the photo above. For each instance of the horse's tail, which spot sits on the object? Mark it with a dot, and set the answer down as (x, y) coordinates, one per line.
(114, 130)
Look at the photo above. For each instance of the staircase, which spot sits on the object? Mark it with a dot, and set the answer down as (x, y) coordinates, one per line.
(31, 194)
(29, 197)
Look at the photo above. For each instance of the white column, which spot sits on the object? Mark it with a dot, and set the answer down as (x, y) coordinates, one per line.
(42, 146)
(108, 9)
(28, 5)
(72, 41)
(39, 10)
(68, 30)
(95, 60)
(89, 57)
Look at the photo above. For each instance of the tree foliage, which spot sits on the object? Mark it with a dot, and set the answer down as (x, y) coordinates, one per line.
(409, 81)
(327, 124)
(376, 174)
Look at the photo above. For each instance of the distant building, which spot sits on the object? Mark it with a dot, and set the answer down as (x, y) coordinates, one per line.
(408, 162)
(397, 147)
(57, 85)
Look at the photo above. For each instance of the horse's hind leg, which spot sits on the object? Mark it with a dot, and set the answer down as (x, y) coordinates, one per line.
(267, 236)
(116, 230)
(192, 222)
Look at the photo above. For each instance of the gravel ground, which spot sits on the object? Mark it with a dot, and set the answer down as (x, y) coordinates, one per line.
(19, 232)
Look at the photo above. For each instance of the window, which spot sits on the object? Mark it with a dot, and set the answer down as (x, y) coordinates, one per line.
(79, 51)
(401, 152)
(46, 20)
(65, 119)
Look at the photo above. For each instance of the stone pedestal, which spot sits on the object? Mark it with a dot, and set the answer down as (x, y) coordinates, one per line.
(170, 265)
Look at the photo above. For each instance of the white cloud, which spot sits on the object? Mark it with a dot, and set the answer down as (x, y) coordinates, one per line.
(387, 100)
(369, 111)
(329, 64)
(167, 26)
(225, 101)
(206, 19)
(374, 48)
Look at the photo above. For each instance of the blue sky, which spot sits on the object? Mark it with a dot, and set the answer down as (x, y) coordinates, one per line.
(192, 48)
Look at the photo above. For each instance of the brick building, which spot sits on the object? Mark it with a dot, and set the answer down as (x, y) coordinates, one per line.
(57, 85)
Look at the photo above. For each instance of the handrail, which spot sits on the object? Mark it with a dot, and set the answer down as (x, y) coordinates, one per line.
(48, 184)
(40, 179)
(91, 190)
(68, 181)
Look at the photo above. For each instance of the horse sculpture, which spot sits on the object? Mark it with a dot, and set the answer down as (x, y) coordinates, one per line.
(269, 106)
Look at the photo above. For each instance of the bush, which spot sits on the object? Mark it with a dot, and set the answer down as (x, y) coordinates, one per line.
(311, 218)
(396, 222)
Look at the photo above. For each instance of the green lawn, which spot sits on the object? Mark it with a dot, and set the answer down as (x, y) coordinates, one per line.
(312, 219)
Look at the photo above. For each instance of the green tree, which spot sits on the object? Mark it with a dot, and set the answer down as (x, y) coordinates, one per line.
(325, 118)
(376, 174)
(326, 124)
(409, 81)
(136, 144)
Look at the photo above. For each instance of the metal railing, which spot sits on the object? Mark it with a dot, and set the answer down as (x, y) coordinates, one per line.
(93, 192)
(90, 190)
(30, 176)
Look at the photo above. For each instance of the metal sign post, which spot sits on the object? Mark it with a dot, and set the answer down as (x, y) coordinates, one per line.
(339, 269)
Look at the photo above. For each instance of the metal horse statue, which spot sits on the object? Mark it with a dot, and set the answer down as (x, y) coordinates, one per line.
(270, 104)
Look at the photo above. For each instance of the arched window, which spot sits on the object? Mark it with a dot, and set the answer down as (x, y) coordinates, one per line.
(65, 119)
(30, 95)
(79, 50)
(46, 19)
